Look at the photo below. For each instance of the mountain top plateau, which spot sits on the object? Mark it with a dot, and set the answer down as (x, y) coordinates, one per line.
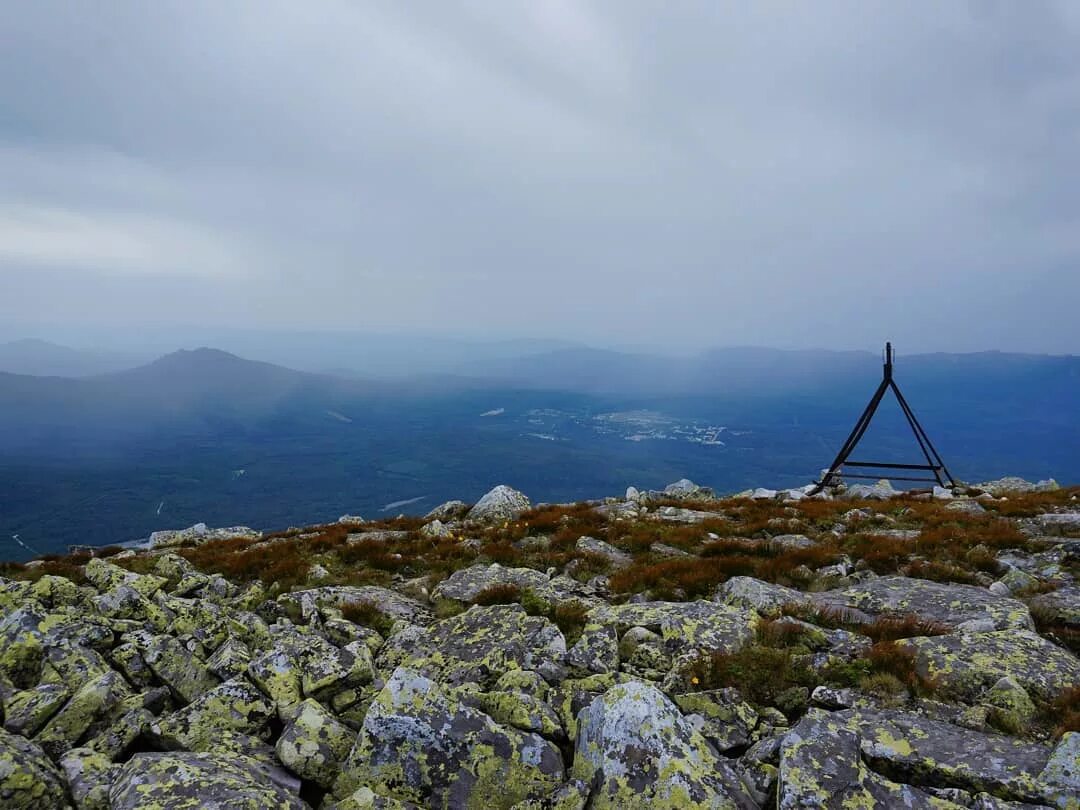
(862, 647)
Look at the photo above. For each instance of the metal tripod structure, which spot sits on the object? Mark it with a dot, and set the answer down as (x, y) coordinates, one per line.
(934, 464)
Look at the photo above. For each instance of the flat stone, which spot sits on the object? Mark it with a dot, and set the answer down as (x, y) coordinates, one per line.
(483, 643)
(821, 767)
(969, 664)
(185, 781)
(466, 584)
(764, 597)
(616, 557)
(929, 752)
(946, 604)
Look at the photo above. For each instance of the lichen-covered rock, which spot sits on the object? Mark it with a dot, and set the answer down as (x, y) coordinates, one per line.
(466, 584)
(177, 668)
(450, 510)
(28, 780)
(501, 503)
(764, 597)
(597, 651)
(277, 674)
(820, 768)
(366, 799)
(721, 715)
(314, 744)
(635, 750)
(481, 644)
(517, 709)
(968, 664)
(617, 558)
(687, 628)
(391, 604)
(188, 781)
(235, 705)
(28, 710)
(931, 752)
(230, 660)
(1059, 782)
(89, 776)
(946, 604)
(1060, 607)
(420, 744)
(90, 703)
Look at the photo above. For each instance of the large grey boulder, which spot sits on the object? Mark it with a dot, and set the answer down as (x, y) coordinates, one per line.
(501, 503)
(1059, 782)
(636, 750)
(421, 744)
(942, 603)
(28, 780)
(966, 665)
(185, 781)
(1059, 607)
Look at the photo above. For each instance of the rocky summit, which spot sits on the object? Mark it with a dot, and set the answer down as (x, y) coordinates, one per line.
(672, 648)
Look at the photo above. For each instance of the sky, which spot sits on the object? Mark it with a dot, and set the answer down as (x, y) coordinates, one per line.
(789, 174)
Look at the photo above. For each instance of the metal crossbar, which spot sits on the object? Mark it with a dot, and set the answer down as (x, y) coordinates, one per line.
(934, 464)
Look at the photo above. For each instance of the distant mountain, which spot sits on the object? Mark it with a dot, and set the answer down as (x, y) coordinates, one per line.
(205, 435)
(44, 359)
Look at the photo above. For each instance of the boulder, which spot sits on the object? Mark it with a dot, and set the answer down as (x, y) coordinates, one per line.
(464, 585)
(235, 705)
(199, 534)
(685, 489)
(393, 605)
(966, 665)
(95, 699)
(636, 750)
(483, 643)
(616, 557)
(1059, 607)
(753, 594)
(500, 504)
(28, 780)
(821, 768)
(421, 744)
(881, 491)
(1059, 782)
(450, 510)
(685, 627)
(177, 668)
(185, 780)
(27, 711)
(929, 752)
(946, 604)
(1012, 485)
(314, 744)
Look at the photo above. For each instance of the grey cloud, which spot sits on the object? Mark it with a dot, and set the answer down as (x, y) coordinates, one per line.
(814, 174)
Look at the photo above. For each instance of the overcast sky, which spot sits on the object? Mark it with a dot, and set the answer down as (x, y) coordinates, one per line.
(824, 174)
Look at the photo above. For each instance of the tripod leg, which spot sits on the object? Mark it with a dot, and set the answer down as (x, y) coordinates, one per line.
(926, 438)
(854, 437)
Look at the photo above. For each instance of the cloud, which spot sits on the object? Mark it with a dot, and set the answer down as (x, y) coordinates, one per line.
(697, 173)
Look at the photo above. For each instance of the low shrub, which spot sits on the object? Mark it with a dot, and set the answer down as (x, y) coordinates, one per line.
(501, 594)
(367, 614)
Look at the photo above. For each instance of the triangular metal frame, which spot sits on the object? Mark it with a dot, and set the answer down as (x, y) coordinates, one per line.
(933, 464)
